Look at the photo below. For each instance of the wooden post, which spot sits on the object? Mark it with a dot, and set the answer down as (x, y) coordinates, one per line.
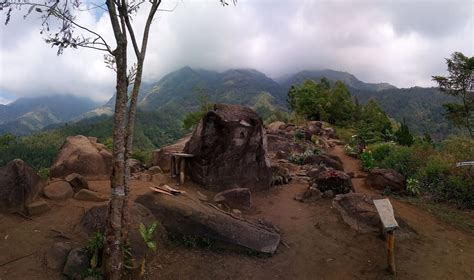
(390, 252)
(172, 166)
(387, 217)
(182, 166)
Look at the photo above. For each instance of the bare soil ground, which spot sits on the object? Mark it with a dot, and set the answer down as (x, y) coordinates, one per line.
(319, 244)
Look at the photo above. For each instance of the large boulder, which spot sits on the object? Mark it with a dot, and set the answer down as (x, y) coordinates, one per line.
(334, 180)
(229, 148)
(162, 156)
(19, 185)
(382, 179)
(83, 155)
(187, 215)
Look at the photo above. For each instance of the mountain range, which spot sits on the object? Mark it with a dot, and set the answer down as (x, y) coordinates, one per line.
(183, 90)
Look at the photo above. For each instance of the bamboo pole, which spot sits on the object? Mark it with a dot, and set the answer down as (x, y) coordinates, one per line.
(390, 252)
(182, 166)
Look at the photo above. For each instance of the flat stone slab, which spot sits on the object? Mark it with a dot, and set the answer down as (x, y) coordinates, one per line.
(184, 214)
(385, 210)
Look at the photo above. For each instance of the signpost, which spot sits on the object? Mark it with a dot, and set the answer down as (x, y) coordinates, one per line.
(385, 211)
(465, 163)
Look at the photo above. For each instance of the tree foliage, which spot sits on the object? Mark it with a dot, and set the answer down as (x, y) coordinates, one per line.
(459, 83)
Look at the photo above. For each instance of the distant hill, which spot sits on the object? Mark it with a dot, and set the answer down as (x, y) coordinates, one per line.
(27, 115)
(350, 80)
(180, 92)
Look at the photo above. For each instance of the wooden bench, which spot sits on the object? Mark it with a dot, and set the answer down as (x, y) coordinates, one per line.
(178, 165)
(385, 211)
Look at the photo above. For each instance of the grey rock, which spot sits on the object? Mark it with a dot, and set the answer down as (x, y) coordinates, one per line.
(77, 182)
(76, 264)
(235, 198)
(58, 190)
(37, 207)
(56, 256)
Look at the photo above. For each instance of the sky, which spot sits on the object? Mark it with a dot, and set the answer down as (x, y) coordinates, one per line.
(402, 42)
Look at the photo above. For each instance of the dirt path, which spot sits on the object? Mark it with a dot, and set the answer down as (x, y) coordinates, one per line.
(439, 252)
(320, 244)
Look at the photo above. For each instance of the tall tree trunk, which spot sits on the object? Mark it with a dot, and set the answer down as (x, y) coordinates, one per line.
(115, 227)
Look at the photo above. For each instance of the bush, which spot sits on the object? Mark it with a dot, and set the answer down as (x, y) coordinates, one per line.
(402, 160)
(367, 159)
(381, 150)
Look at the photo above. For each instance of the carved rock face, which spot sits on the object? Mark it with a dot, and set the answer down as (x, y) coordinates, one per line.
(229, 149)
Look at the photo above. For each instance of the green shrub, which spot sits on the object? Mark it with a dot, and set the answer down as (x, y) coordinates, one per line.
(461, 148)
(367, 159)
(345, 134)
(402, 160)
(413, 187)
(381, 150)
(44, 173)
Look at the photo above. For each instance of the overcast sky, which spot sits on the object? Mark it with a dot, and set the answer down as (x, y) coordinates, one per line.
(402, 42)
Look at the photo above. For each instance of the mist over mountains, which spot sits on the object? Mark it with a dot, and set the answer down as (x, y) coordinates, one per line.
(180, 92)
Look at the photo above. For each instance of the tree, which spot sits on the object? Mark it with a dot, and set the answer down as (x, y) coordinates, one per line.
(459, 83)
(373, 124)
(403, 135)
(62, 15)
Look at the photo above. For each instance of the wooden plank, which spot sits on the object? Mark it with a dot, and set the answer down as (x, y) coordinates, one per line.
(464, 163)
(182, 155)
(385, 210)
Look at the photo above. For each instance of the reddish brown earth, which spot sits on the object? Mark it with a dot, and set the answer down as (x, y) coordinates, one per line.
(319, 245)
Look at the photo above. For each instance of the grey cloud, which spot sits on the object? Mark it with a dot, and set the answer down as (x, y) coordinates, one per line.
(401, 42)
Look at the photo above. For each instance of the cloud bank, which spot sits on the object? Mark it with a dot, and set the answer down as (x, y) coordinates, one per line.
(400, 42)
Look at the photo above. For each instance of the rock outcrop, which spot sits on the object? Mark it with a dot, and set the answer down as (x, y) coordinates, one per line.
(58, 190)
(162, 157)
(382, 179)
(19, 185)
(358, 211)
(229, 149)
(186, 215)
(333, 180)
(83, 155)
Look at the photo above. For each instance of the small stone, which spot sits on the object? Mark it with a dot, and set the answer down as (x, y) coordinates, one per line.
(329, 194)
(158, 178)
(37, 207)
(236, 212)
(56, 255)
(237, 197)
(145, 177)
(202, 196)
(154, 170)
(88, 195)
(76, 264)
(58, 190)
(77, 182)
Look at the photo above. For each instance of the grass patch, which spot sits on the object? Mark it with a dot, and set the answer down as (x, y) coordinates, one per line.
(445, 213)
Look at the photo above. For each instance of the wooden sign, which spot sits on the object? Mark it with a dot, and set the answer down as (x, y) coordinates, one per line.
(464, 163)
(385, 210)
